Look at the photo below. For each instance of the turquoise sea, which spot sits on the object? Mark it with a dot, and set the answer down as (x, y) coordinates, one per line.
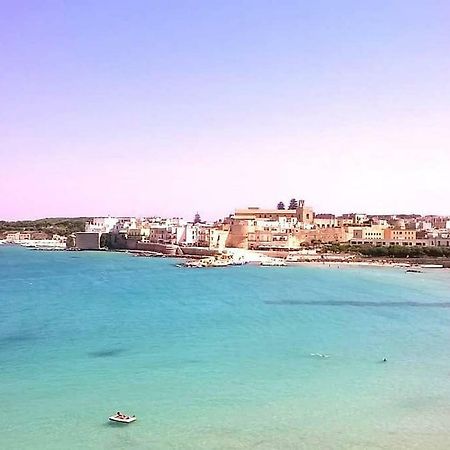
(220, 358)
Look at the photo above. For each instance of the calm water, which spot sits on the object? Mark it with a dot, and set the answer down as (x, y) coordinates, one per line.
(220, 358)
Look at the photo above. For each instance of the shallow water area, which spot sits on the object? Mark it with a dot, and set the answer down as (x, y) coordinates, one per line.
(220, 358)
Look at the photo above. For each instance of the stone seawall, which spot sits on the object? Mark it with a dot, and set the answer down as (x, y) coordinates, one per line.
(198, 251)
(354, 258)
(174, 250)
(444, 261)
(165, 249)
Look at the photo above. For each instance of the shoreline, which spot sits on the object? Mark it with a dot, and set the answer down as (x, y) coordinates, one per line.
(254, 257)
(334, 264)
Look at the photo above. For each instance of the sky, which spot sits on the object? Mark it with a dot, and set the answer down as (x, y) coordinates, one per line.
(172, 107)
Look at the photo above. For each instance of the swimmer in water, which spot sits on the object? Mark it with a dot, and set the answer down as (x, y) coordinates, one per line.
(384, 360)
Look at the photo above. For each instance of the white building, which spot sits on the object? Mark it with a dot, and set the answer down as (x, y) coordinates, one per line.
(101, 224)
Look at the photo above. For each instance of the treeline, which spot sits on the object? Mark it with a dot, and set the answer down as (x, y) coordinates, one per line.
(293, 204)
(393, 251)
(61, 226)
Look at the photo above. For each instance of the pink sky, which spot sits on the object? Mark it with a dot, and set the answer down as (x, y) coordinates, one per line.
(151, 110)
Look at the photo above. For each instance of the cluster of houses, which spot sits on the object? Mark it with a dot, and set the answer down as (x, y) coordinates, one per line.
(34, 239)
(264, 229)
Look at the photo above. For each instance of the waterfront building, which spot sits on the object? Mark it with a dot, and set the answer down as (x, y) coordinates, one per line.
(101, 224)
(217, 238)
(18, 236)
(400, 235)
(165, 234)
(191, 234)
(366, 234)
(434, 238)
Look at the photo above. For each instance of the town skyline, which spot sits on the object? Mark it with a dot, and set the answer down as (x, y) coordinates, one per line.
(191, 216)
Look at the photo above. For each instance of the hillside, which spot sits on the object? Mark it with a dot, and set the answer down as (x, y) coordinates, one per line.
(63, 226)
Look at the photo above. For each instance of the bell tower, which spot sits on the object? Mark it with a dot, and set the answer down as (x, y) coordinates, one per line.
(305, 214)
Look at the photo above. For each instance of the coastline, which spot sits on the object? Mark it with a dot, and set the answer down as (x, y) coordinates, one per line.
(366, 264)
(239, 256)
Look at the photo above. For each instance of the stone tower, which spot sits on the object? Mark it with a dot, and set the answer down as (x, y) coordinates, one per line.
(305, 214)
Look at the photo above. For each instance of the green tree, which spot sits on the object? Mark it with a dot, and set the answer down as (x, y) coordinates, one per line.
(281, 205)
(197, 218)
(434, 251)
(293, 204)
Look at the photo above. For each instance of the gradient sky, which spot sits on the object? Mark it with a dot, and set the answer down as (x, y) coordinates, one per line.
(169, 107)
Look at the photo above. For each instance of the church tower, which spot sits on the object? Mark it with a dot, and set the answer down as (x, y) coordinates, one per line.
(305, 214)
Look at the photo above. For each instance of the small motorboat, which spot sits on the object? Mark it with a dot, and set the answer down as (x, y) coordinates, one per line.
(122, 418)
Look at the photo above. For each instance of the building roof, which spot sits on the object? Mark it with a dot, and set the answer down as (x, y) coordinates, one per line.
(324, 216)
(248, 211)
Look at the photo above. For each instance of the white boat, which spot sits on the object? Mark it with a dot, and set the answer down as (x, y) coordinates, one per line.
(122, 418)
(432, 266)
(220, 263)
(192, 264)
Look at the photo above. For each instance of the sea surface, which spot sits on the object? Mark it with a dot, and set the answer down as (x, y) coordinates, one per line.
(222, 358)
